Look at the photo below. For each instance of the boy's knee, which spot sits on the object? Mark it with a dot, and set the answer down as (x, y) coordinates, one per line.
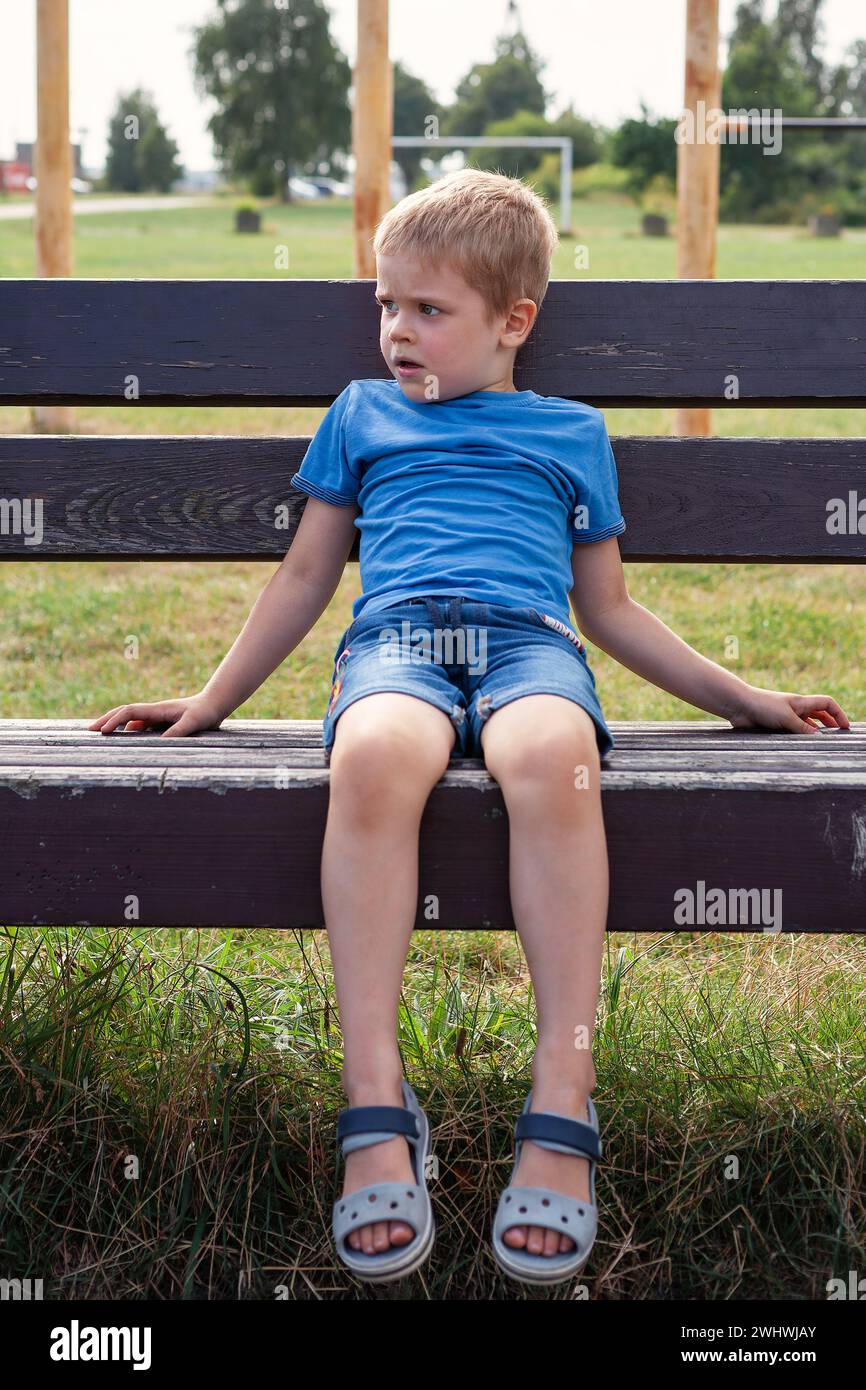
(394, 760)
(550, 753)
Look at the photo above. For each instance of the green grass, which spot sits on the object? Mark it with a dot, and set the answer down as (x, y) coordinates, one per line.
(707, 1045)
(170, 1101)
(196, 243)
(200, 243)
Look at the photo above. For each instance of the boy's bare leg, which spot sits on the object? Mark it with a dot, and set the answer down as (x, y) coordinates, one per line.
(559, 898)
(389, 751)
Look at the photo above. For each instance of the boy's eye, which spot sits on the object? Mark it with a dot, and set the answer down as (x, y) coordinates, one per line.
(386, 302)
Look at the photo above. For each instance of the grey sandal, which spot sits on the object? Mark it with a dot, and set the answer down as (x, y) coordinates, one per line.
(542, 1206)
(358, 1127)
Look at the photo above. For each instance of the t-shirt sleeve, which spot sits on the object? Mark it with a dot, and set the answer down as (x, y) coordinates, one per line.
(596, 514)
(327, 471)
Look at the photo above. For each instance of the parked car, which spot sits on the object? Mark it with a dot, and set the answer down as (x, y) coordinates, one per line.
(330, 188)
(304, 188)
(326, 187)
(397, 183)
(77, 185)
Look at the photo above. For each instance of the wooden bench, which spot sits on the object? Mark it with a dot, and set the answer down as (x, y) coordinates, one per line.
(226, 828)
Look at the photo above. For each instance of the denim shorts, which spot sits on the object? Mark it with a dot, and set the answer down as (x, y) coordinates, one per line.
(464, 657)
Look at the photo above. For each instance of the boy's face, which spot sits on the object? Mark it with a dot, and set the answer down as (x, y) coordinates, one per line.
(432, 317)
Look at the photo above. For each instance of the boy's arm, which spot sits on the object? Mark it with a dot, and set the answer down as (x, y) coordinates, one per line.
(612, 620)
(289, 605)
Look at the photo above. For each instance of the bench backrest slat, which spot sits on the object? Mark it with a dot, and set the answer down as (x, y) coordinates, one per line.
(277, 342)
(206, 497)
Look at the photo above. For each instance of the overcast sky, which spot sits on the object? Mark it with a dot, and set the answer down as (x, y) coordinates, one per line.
(602, 57)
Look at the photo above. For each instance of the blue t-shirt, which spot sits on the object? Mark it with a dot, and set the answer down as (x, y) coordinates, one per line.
(482, 495)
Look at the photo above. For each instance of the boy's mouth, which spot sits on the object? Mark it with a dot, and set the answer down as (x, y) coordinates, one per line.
(406, 366)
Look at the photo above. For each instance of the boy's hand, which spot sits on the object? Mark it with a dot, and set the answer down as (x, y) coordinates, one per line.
(782, 709)
(185, 715)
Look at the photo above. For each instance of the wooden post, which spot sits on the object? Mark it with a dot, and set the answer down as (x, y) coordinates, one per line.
(698, 173)
(372, 128)
(53, 222)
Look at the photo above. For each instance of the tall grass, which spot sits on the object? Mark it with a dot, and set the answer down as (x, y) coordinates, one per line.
(170, 1100)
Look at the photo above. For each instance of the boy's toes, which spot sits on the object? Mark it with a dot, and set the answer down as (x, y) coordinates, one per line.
(535, 1240)
(551, 1242)
(361, 1239)
(543, 1241)
(538, 1240)
(515, 1236)
(379, 1235)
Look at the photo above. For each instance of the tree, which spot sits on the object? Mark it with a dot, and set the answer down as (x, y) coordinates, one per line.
(141, 154)
(414, 104)
(516, 162)
(748, 18)
(846, 88)
(763, 73)
(847, 84)
(281, 85)
(798, 23)
(587, 140)
(495, 91)
(523, 162)
(772, 64)
(157, 159)
(644, 147)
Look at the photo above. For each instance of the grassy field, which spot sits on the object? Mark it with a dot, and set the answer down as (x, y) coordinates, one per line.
(707, 1045)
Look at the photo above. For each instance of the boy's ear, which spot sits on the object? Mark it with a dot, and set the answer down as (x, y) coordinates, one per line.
(520, 320)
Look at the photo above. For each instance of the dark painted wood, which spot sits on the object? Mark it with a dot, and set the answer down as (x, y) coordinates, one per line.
(219, 497)
(225, 828)
(274, 341)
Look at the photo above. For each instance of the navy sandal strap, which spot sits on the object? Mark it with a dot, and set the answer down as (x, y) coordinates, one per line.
(546, 1128)
(363, 1119)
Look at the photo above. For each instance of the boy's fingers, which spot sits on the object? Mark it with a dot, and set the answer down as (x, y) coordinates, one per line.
(137, 714)
(828, 710)
(139, 717)
(837, 712)
(107, 723)
(98, 723)
(183, 726)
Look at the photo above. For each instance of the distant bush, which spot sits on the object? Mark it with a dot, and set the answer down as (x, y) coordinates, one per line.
(659, 198)
(599, 178)
(594, 178)
(848, 204)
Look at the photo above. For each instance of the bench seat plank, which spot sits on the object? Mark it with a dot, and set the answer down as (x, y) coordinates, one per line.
(87, 820)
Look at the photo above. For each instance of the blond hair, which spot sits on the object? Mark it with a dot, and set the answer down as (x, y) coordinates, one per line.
(494, 231)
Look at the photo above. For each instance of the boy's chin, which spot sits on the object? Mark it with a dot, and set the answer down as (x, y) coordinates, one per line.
(418, 386)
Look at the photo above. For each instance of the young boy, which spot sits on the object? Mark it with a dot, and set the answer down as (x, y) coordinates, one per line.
(482, 509)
